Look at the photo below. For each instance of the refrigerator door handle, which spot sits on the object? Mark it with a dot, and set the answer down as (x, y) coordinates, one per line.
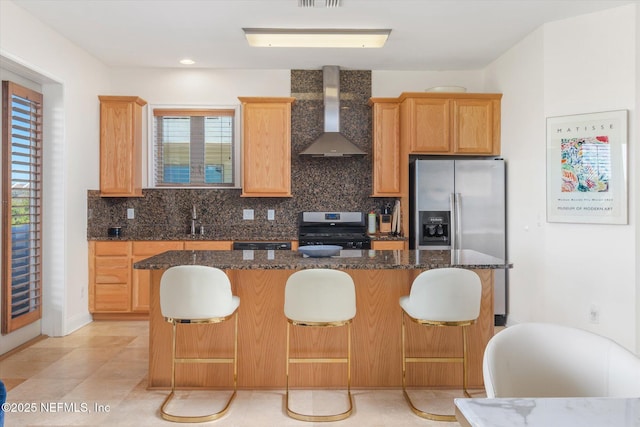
(454, 223)
(458, 221)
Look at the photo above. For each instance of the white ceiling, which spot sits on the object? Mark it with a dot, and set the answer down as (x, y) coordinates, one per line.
(426, 34)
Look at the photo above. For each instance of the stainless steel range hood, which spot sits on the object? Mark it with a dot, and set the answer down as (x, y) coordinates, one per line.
(332, 143)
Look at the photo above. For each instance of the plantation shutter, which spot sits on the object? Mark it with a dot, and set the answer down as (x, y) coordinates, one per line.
(21, 206)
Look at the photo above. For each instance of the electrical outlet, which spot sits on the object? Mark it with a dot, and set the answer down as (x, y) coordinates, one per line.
(594, 314)
(247, 214)
(271, 214)
(131, 213)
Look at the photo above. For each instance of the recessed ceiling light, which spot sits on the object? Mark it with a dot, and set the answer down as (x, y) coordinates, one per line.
(187, 61)
(279, 37)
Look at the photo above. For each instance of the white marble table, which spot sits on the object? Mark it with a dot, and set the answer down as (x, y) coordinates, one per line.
(549, 412)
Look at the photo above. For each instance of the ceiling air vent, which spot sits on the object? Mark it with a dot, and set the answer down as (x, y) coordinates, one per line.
(319, 3)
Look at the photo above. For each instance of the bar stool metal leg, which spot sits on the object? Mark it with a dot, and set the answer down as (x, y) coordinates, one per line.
(347, 360)
(174, 360)
(319, 298)
(441, 297)
(463, 360)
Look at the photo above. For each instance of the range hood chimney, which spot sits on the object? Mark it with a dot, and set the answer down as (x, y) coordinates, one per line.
(331, 143)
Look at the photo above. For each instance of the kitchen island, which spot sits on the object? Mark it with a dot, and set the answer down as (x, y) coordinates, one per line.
(259, 277)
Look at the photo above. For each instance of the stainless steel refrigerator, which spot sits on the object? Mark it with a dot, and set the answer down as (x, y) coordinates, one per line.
(461, 204)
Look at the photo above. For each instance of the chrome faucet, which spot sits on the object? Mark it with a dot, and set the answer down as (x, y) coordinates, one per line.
(194, 217)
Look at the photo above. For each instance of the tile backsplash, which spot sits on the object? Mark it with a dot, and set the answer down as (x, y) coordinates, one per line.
(318, 184)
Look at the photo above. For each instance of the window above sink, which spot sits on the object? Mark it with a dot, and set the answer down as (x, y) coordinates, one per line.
(194, 148)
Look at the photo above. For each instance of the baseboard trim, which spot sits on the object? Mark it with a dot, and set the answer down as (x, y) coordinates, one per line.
(120, 316)
(21, 347)
(76, 322)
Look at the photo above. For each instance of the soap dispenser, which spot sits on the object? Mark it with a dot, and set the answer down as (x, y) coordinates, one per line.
(372, 223)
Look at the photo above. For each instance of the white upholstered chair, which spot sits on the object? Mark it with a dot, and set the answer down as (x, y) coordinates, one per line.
(441, 297)
(548, 360)
(195, 294)
(320, 298)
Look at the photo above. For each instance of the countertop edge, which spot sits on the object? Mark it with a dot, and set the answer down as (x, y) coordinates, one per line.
(198, 238)
(291, 260)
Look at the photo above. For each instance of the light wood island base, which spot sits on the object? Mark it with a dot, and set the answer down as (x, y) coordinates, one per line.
(377, 361)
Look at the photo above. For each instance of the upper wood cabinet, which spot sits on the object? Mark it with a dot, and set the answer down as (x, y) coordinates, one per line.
(451, 123)
(476, 126)
(386, 147)
(121, 146)
(428, 125)
(266, 147)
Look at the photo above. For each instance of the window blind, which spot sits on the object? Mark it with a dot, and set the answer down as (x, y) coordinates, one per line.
(194, 147)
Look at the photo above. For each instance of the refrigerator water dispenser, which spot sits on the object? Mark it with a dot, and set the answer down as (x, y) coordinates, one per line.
(434, 228)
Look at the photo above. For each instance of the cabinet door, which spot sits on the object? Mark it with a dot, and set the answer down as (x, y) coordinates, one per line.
(109, 277)
(387, 245)
(431, 130)
(473, 126)
(221, 245)
(386, 149)
(141, 279)
(121, 146)
(266, 147)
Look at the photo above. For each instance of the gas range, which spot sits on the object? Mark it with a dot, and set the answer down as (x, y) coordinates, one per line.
(346, 229)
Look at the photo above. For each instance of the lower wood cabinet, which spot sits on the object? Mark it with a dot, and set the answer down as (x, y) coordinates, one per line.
(209, 246)
(140, 279)
(390, 245)
(109, 271)
(118, 290)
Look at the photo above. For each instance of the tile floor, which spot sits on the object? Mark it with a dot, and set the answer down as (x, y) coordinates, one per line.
(97, 377)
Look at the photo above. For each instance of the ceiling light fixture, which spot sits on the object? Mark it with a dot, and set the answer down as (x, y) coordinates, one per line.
(187, 61)
(350, 38)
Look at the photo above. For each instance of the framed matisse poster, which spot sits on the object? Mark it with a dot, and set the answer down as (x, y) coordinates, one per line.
(587, 168)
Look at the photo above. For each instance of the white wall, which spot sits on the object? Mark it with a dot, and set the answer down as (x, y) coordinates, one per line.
(393, 83)
(578, 65)
(198, 86)
(71, 81)
(518, 75)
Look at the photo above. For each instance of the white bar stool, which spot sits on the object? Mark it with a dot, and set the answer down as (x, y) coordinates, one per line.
(320, 298)
(195, 294)
(441, 297)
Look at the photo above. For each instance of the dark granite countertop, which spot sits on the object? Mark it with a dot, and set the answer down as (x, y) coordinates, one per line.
(199, 238)
(348, 259)
(188, 238)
